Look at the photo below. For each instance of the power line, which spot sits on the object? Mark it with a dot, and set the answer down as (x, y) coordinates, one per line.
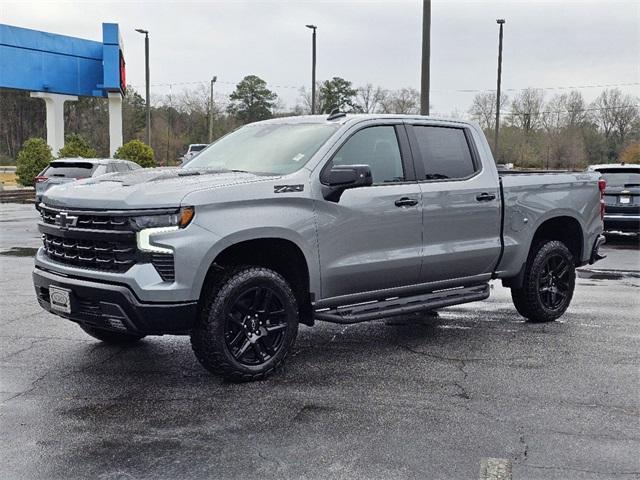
(462, 90)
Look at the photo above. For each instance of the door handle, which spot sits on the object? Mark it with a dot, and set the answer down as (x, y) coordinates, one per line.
(406, 202)
(485, 197)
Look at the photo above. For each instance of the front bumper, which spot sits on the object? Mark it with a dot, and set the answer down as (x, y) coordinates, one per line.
(114, 306)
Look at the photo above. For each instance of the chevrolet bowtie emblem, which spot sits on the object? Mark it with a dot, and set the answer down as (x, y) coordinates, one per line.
(64, 220)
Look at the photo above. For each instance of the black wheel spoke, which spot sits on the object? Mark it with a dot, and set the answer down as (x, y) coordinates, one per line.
(237, 321)
(257, 299)
(238, 336)
(561, 270)
(258, 347)
(276, 328)
(241, 351)
(266, 300)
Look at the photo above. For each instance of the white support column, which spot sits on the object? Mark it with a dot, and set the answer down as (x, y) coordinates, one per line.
(55, 117)
(115, 122)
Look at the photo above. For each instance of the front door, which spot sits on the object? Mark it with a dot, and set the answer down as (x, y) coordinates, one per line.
(461, 204)
(371, 238)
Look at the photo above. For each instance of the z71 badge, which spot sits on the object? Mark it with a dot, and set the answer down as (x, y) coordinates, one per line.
(288, 188)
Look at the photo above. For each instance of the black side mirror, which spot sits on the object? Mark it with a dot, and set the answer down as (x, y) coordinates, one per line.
(343, 177)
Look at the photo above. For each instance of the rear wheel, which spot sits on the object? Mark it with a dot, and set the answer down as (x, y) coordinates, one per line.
(247, 325)
(109, 336)
(548, 284)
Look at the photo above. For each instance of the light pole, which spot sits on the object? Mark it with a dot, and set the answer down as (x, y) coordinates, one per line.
(426, 57)
(500, 22)
(213, 80)
(313, 69)
(148, 96)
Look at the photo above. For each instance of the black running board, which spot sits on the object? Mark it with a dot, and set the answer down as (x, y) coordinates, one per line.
(400, 306)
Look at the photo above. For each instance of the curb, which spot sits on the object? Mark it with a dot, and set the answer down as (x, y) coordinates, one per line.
(596, 274)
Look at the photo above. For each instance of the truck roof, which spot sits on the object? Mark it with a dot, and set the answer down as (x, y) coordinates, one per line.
(353, 117)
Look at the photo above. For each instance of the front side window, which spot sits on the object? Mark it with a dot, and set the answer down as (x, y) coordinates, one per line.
(376, 147)
(272, 148)
(444, 152)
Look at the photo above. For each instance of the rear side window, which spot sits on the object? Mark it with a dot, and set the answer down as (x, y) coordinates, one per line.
(444, 153)
(70, 169)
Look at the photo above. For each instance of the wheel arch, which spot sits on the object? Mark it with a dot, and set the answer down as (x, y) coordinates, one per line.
(564, 228)
(280, 254)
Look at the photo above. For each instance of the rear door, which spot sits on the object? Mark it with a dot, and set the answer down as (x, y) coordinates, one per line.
(461, 203)
(371, 238)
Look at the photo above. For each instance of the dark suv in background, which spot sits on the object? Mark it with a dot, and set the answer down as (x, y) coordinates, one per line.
(70, 169)
(621, 196)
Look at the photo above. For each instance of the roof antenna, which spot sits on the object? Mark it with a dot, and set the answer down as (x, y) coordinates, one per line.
(336, 113)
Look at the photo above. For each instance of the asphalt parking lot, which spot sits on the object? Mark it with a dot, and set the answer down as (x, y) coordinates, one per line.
(424, 397)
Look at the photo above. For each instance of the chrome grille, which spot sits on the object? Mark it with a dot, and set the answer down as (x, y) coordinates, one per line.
(95, 222)
(98, 255)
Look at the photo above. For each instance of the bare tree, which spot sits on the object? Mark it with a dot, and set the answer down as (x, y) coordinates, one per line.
(527, 109)
(369, 99)
(615, 113)
(403, 101)
(483, 109)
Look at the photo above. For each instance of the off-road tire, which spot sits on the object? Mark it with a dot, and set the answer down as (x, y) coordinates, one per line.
(208, 336)
(108, 336)
(529, 300)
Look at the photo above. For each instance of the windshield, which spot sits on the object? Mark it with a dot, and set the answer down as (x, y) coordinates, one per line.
(196, 148)
(275, 148)
(619, 178)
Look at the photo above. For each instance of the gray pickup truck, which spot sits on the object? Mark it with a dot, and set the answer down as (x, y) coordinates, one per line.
(345, 219)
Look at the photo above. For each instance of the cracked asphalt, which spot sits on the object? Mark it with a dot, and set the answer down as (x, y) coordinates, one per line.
(422, 397)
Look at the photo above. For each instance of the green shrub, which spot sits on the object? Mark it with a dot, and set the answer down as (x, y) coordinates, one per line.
(138, 152)
(76, 146)
(33, 157)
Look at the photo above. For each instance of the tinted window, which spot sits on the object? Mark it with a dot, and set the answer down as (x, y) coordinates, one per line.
(621, 178)
(444, 152)
(376, 147)
(196, 148)
(70, 169)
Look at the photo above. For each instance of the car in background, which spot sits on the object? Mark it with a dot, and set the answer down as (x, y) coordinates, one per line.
(193, 150)
(67, 170)
(621, 196)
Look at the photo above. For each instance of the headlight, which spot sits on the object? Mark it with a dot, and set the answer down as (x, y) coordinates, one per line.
(148, 225)
(179, 219)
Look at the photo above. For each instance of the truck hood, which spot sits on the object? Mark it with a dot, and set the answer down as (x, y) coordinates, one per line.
(144, 188)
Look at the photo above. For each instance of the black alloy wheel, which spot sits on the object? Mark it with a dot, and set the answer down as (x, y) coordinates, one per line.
(256, 325)
(554, 283)
(247, 324)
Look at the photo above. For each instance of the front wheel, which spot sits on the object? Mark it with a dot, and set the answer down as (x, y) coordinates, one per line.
(248, 323)
(548, 284)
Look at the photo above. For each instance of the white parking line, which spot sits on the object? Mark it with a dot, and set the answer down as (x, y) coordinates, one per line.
(495, 469)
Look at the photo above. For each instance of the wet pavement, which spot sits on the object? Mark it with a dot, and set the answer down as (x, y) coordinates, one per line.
(441, 397)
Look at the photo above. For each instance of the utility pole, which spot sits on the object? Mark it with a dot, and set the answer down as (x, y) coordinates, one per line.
(213, 80)
(500, 22)
(147, 79)
(426, 57)
(313, 68)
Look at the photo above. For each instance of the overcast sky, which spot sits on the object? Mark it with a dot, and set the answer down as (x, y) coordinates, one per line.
(546, 44)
